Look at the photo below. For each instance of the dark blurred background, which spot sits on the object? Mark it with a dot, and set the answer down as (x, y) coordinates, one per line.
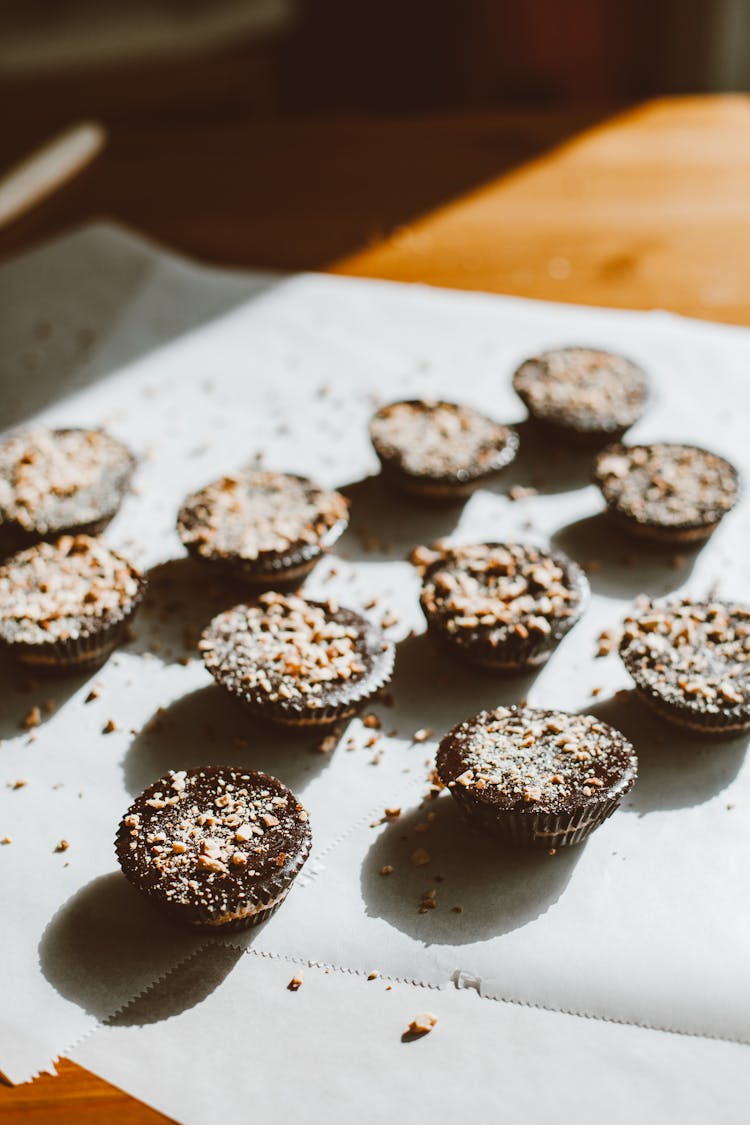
(369, 113)
(399, 56)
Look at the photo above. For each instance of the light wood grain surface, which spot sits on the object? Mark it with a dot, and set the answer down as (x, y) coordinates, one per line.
(651, 208)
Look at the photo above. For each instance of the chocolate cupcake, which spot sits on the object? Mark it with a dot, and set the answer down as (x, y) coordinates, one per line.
(582, 394)
(540, 778)
(438, 449)
(216, 847)
(296, 662)
(267, 528)
(503, 606)
(669, 494)
(691, 663)
(65, 606)
(55, 482)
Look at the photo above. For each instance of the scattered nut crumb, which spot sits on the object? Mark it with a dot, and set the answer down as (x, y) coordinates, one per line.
(109, 727)
(33, 719)
(328, 744)
(422, 735)
(62, 846)
(372, 721)
(521, 492)
(606, 642)
(422, 1024)
(386, 870)
(6, 840)
(19, 784)
(420, 857)
(373, 975)
(295, 983)
(457, 909)
(392, 814)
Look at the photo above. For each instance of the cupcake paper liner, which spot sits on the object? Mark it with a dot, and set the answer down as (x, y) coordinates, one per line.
(536, 828)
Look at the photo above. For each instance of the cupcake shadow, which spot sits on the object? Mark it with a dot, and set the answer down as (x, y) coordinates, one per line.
(186, 986)
(436, 690)
(544, 463)
(207, 727)
(106, 940)
(24, 692)
(385, 523)
(616, 566)
(181, 599)
(498, 888)
(675, 769)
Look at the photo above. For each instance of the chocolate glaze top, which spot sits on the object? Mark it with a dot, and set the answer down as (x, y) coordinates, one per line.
(667, 485)
(498, 589)
(257, 515)
(693, 655)
(55, 480)
(441, 441)
(213, 839)
(585, 389)
(298, 654)
(517, 758)
(62, 590)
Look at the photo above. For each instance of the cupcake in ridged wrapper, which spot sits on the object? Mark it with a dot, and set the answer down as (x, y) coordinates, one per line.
(297, 662)
(65, 606)
(216, 847)
(439, 450)
(690, 661)
(268, 529)
(501, 606)
(536, 778)
(54, 482)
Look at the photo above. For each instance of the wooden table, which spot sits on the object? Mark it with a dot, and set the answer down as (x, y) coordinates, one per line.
(651, 208)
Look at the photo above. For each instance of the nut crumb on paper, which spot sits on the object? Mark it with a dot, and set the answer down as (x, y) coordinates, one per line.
(32, 719)
(422, 1024)
(295, 983)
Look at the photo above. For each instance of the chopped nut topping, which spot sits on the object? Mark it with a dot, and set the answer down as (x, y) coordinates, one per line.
(439, 440)
(255, 513)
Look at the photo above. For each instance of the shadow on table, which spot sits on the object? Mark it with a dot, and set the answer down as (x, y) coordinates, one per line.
(544, 463)
(23, 691)
(617, 566)
(83, 330)
(499, 888)
(385, 523)
(107, 943)
(676, 769)
(182, 598)
(207, 727)
(435, 690)
(183, 987)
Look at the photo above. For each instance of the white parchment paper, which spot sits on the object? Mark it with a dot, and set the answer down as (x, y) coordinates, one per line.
(202, 371)
(332, 1051)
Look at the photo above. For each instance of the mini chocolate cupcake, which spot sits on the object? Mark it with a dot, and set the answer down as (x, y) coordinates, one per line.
(296, 662)
(582, 394)
(669, 494)
(264, 527)
(216, 847)
(65, 606)
(540, 778)
(438, 449)
(503, 606)
(691, 663)
(55, 482)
